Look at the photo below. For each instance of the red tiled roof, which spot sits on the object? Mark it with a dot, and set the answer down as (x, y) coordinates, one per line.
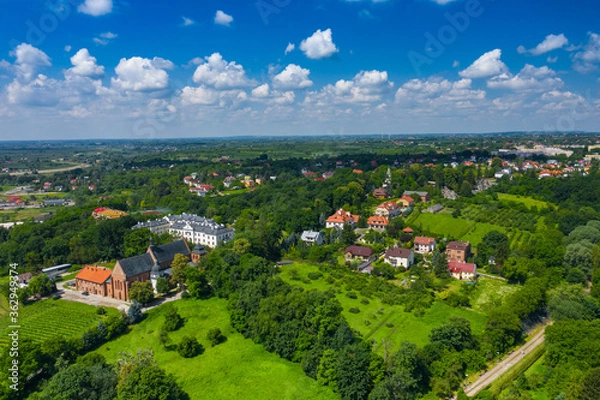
(94, 274)
(376, 220)
(408, 229)
(388, 205)
(456, 267)
(342, 216)
(424, 240)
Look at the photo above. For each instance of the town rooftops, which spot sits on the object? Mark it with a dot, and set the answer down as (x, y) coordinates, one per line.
(422, 240)
(94, 274)
(456, 268)
(359, 251)
(398, 252)
(461, 246)
(407, 198)
(408, 229)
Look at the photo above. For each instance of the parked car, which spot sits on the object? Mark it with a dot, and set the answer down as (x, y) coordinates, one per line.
(85, 293)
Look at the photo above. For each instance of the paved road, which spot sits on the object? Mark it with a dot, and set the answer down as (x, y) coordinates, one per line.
(489, 377)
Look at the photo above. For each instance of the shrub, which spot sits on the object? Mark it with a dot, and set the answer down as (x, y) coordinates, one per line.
(189, 347)
(173, 320)
(101, 310)
(354, 310)
(314, 275)
(389, 324)
(351, 295)
(364, 301)
(215, 336)
(330, 279)
(367, 322)
(185, 294)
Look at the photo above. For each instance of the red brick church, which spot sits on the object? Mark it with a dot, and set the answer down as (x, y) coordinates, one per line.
(96, 280)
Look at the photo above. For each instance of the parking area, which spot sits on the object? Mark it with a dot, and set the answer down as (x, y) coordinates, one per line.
(91, 299)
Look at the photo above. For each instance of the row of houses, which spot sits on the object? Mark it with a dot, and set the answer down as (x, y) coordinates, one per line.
(399, 257)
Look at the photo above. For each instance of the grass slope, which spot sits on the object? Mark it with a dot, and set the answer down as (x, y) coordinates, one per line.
(235, 369)
(528, 201)
(387, 325)
(46, 319)
(446, 225)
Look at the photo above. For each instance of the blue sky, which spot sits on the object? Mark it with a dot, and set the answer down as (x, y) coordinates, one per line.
(159, 69)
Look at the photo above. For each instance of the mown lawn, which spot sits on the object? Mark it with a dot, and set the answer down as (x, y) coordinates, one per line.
(446, 225)
(528, 201)
(47, 319)
(235, 369)
(23, 214)
(388, 325)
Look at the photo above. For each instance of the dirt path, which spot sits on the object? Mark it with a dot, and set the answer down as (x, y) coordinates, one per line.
(513, 358)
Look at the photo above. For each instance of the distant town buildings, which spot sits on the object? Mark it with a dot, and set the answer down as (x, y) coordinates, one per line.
(399, 257)
(311, 237)
(424, 245)
(458, 251)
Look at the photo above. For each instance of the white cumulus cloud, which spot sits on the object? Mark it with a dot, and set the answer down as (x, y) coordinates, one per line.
(529, 78)
(290, 47)
(222, 18)
(96, 8)
(319, 45)
(487, 65)
(217, 72)
(84, 64)
(142, 74)
(551, 42)
(588, 59)
(292, 77)
(29, 59)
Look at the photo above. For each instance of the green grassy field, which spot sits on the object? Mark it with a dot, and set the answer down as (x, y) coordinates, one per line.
(528, 201)
(235, 369)
(387, 325)
(46, 319)
(23, 214)
(445, 224)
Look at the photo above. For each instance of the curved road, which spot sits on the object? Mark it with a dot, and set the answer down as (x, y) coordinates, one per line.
(487, 378)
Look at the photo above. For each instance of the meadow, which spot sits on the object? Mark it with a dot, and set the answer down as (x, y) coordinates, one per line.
(235, 369)
(528, 201)
(47, 319)
(446, 225)
(387, 325)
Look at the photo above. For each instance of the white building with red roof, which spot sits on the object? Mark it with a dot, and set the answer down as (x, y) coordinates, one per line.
(388, 209)
(341, 218)
(462, 271)
(424, 245)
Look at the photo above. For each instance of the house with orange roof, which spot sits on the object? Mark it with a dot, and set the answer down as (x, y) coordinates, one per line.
(388, 209)
(407, 201)
(341, 218)
(93, 279)
(378, 223)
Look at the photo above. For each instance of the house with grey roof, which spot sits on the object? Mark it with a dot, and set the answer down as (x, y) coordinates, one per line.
(311, 237)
